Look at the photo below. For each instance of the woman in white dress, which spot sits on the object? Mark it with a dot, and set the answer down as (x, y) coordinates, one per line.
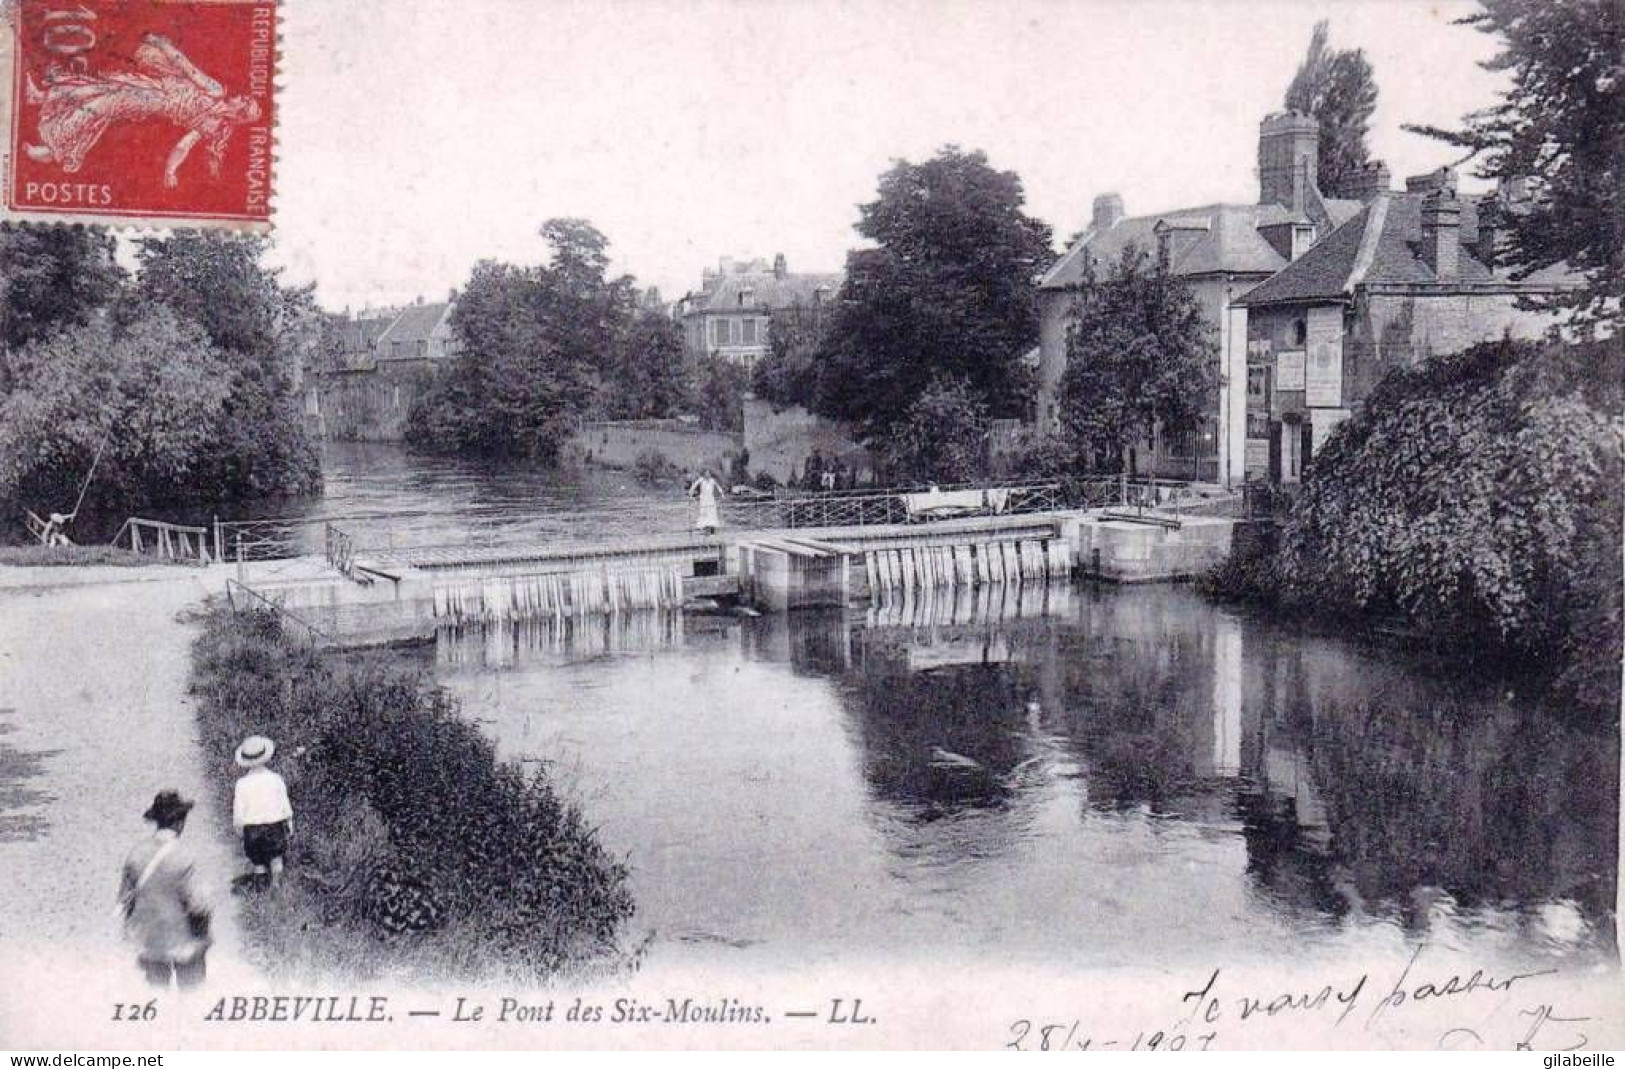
(709, 492)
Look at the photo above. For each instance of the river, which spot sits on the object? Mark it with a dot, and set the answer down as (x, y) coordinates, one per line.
(1080, 775)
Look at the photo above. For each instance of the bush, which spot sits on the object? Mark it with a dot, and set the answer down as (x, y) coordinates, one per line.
(654, 468)
(397, 796)
(1250, 572)
(1476, 497)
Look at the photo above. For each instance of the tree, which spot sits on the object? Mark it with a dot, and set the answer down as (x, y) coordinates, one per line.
(947, 292)
(267, 332)
(941, 438)
(50, 277)
(788, 374)
(1560, 128)
(719, 388)
(647, 379)
(1336, 87)
(150, 398)
(1139, 355)
(542, 347)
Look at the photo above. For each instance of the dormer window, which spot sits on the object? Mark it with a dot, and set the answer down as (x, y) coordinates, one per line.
(745, 295)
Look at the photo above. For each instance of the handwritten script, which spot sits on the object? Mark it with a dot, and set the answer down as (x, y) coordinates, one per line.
(1484, 1010)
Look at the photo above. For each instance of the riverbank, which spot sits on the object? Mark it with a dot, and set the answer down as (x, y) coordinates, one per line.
(94, 719)
(417, 855)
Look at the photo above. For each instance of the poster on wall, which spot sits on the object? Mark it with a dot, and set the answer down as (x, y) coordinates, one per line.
(1289, 370)
(1323, 376)
(1323, 383)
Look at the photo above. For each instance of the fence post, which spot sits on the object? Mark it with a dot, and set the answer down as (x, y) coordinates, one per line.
(219, 541)
(242, 569)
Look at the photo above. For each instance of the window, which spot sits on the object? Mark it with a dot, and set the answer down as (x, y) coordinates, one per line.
(1300, 333)
(1258, 384)
(750, 332)
(721, 333)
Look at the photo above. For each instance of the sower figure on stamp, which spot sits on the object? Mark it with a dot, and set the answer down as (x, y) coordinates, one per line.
(163, 913)
(261, 810)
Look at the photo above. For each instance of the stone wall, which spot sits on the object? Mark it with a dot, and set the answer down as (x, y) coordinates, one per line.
(364, 406)
(780, 441)
(1401, 330)
(618, 444)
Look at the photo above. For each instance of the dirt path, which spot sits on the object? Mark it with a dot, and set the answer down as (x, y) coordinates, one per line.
(94, 718)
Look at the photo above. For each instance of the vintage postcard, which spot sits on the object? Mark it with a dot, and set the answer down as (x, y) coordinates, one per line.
(836, 524)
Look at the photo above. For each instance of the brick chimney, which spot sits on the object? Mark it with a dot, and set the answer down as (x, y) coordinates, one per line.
(1108, 212)
(780, 267)
(1369, 181)
(1288, 158)
(1433, 181)
(1441, 233)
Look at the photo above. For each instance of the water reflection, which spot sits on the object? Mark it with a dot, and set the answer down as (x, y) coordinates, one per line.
(1121, 774)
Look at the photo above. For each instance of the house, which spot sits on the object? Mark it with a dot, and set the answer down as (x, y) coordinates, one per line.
(420, 332)
(380, 363)
(730, 314)
(1221, 251)
(1412, 275)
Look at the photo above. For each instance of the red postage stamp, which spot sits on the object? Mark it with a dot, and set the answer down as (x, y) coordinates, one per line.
(139, 112)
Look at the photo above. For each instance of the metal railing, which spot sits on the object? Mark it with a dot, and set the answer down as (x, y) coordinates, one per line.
(340, 545)
(861, 508)
(167, 541)
(242, 597)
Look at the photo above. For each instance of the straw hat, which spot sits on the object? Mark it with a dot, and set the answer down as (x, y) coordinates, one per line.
(167, 806)
(255, 751)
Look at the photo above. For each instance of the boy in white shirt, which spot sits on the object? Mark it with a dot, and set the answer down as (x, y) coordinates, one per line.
(261, 810)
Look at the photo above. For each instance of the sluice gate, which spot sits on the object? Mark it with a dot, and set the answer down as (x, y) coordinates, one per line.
(557, 595)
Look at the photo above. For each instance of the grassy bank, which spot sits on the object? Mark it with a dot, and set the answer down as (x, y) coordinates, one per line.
(416, 853)
(36, 556)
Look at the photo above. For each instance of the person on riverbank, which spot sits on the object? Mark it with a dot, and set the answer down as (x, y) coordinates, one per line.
(261, 810)
(709, 492)
(163, 912)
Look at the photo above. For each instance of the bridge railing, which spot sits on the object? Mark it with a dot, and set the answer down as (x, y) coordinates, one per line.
(167, 541)
(244, 598)
(340, 546)
(861, 508)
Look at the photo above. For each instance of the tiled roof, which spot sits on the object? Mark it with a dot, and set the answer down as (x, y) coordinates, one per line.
(1383, 243)
(415, 323)
(768, 292)
(1218, 238)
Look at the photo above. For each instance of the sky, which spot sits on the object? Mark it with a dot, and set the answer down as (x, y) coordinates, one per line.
(419, 136)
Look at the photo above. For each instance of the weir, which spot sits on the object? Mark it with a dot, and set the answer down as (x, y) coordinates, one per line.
(412, 592)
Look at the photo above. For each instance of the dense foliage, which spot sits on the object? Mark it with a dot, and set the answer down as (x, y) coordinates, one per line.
(1479, 496)
(393, 788)
(180, 381)
(947, 292)
(542, 347)
(788, 374)
(1336, 87)
(1139, 354)
(942, 437)
(1560, 127)
(50, 277)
